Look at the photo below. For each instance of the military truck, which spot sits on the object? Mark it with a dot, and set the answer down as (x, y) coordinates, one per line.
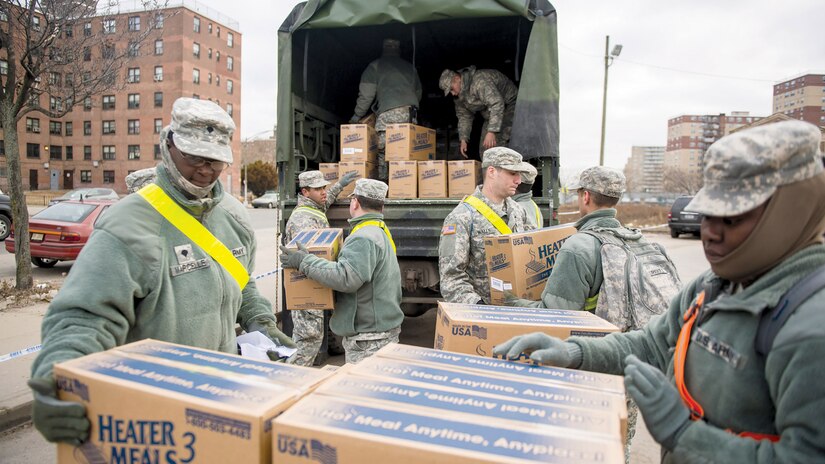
(325, 45)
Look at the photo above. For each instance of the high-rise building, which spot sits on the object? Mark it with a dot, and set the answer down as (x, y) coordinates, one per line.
(801, 98)
(688, 136)
(195, 52)
(644, 169)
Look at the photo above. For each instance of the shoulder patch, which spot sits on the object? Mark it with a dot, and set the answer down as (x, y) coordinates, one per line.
(448, 229)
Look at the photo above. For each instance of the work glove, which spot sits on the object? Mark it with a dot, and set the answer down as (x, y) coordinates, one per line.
(354, 119)
(665, 415)
(510, 298)
(270, 328)
(291, 257)
(348, 178)
(57, 420)
(542, 349)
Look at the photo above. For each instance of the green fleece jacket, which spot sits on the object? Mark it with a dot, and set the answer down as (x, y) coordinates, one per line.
(128, 283)
(366, 279)
(782, 393)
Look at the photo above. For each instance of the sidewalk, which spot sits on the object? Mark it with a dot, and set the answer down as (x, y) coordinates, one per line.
(19, 329)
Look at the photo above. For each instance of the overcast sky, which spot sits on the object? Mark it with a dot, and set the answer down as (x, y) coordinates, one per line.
(697, 57)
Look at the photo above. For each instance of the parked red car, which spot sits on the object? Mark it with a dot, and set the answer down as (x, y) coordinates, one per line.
(59, 232)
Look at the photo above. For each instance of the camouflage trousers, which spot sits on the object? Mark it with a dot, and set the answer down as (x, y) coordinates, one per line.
(308, 334)
(503, 137)
(394, 116)
(632, 416)
(362, 346)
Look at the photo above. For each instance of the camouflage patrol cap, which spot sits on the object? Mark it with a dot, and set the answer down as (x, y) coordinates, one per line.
(202, 128)
(743, 170)
(312, 179)
(139, 179)
(529, 177)
(505, 158)
(446, 80)
(607, 181)
(370, 188)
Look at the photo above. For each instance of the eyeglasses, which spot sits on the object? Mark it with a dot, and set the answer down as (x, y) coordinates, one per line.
(198, 161)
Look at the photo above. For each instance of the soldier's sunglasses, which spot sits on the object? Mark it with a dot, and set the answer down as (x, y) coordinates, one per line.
(198, 161)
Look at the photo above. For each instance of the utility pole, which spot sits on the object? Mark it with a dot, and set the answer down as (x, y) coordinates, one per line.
(608, 60)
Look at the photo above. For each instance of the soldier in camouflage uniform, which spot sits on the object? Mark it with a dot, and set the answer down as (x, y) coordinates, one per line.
(366, 277)
(763, 203)
(139, 179)
(310, 213)
(461, 259)
(485, 91)
(524, 197)
(392, 84)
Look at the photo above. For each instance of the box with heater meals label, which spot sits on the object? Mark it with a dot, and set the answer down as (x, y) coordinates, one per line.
(359, 142)
(432, 179)
(464, 176)
(364, 169)
(331, 429)
(476, 329)
(301, 291)
(157, 412)
(521, 263)
(403, 179)
(330, 172)
(408, 142)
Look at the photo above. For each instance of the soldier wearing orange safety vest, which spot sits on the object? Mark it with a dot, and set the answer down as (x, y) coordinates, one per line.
(710, 384)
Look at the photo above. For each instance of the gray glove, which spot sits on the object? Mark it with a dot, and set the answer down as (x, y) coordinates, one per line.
(270, 328)
(348, 178)
(665, 415)
(543, 349)
(56, 419)
(291, 257)
(354, 119)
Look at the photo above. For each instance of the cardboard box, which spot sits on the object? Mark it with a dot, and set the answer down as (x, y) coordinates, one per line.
(432, 179)
(365, 170)
(359, 142)
(330, 429)
(521, 263)
(403, 179)
(301, 291)
(330, 171)
(143, 411)
(405, 142)
(464, 329)
(464, 177)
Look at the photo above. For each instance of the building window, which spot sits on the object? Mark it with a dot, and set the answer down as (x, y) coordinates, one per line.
(55, 152)
(108, 177)
(133, 126)
(217, 80)
(69, 152)
(158, 99)
(157, 151)
(108, 127)
(109, 26)
(54, 78)
(229, 86)
(158, 76)
(4, 68)
(196, 50)
(134, 152)
(209, 53)
(230, 63)
(209, 78)
(134, 23)
(87, 152)
(230, 40)
(134, 101)
(133, 75)
(209, 27)
(196, 25)
(55, 128)
(69, 129)
(219, 31)
(196, 76)
(33, 125)
(85, 177)
(134, 49)
(87, 29)
(159, 21)
(229, 108)
(4, 16)
(36, 23)
(108, 152)
(217, 56)
(87, 104)
(87, 127)
(159, 47)
(108, 102)
(32, 150)
(158, 125)
(55, 104)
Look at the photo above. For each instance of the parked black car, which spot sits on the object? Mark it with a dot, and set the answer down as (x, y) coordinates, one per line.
(5, 216)
(681, 221)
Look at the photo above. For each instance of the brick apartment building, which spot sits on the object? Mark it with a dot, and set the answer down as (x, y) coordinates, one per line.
(195, 52)
(801, 98)
(688, 136)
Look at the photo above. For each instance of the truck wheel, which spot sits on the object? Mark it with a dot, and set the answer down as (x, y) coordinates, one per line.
(674, 233)
(5, 227)
(44, 262)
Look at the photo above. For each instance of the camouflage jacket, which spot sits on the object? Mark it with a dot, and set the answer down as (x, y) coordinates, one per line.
(301, 220)
(390, 82)
(487, 91)
(534, 216)
(461, 259)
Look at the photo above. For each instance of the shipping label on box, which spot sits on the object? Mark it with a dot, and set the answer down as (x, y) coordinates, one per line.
(551, 419)
(359, 142)
(142, 411)
(365, 170)
(329, 430)
(521, 263)
(403, 179)
(330, 172)
(464, 176)
(404, 142)
(301, 291)
(432, 179)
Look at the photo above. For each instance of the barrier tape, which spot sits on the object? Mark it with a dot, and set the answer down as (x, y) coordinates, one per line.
(36, 348)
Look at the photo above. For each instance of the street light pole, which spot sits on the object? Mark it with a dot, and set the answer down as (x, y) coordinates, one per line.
(608, 60)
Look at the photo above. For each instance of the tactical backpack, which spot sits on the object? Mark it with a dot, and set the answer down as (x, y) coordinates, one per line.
(639, 278)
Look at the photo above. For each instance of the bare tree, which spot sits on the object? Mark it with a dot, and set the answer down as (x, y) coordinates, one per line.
(676, 180)
(56, 55)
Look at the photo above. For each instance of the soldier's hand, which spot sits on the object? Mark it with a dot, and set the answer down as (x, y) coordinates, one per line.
(348, 178)
(269, 327)
(541, 348)
(56, 419)
(291, 257)
(665, 415)
(510, 298)
(489, 140)
(463, 148)
(354, 119)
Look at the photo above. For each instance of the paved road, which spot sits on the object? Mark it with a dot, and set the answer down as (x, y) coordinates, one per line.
(25, 445)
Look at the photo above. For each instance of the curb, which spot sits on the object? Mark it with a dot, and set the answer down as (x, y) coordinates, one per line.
(16, 415)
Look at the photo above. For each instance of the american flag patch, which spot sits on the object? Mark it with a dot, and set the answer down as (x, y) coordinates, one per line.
(448, 229)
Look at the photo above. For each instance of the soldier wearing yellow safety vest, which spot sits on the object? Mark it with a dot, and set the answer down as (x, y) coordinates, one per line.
(488, 211)
(366, 277)
(171, 262)
(311, 213)
(524, 197)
